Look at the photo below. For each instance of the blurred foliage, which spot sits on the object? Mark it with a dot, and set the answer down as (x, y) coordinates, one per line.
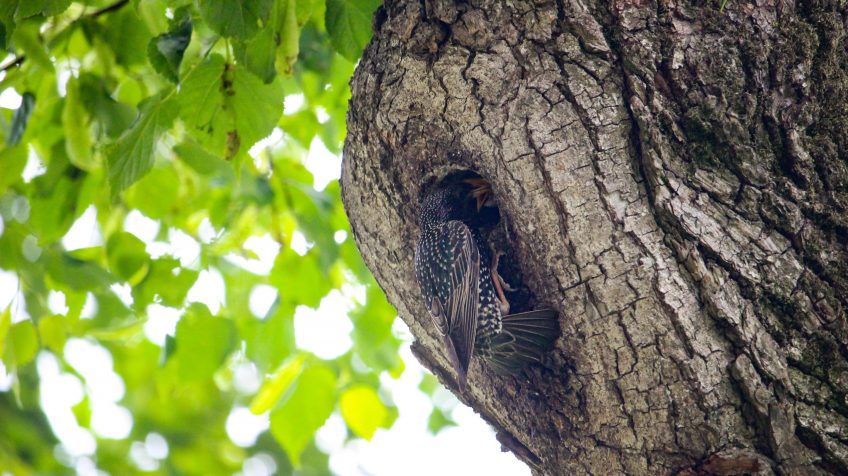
(148, 108)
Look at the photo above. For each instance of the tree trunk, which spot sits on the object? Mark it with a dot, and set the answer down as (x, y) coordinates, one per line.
(672, 179)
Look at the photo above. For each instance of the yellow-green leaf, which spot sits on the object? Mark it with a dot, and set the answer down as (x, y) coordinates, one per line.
(22, 344)
(273, 389)
(363, 411)
(75, 121)
(52, 332)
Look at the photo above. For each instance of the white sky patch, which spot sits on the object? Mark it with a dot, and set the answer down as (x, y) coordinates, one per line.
(156, 445)
(5, 379)
(325, 331)
(8, 288)
(85, 466)
(324, 165)
(124, 293)
(208, 289)
(85, 232)
(260, 464)
(144, 228)
(89, 308)
(64, 71)
(322, 115)
(299, 244)
(243, 427)
(11, 296)
(264, 247)
(293, 103)
(161, 322)
(103, 386)
(58, 392)
(206, 232)
(331, 437)
(10, 99)
(340, 236)
(2, 225)
(179, 245)
(262, 297)
(142, 460)
(246, 378)
(267, 143)
(34, 166)
(407, 447)
(56, 302)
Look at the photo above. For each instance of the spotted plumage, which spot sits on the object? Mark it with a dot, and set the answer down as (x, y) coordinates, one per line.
(452, 265)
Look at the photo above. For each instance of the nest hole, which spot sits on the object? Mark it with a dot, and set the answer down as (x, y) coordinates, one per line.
(496, 230)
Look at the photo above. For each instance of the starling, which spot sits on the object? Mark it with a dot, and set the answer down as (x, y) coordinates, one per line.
(462, 290)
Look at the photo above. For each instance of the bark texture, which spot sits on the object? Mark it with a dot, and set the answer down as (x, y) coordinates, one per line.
(672, 179)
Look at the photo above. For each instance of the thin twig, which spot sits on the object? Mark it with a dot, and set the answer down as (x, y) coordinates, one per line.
(17, 60)
(109, 8)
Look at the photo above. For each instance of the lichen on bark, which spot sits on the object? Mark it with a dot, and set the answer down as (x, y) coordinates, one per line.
(673, 181)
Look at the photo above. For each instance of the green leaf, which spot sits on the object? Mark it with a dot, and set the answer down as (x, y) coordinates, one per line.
(132, 155)
(203, 342)
(258, 54)
(12, 163)
(76, 274)
(270, 340)
(156, 193)
(22, 344)
(289, 34)
(51, 329)
(20, 119)
(112, 116)
(302, 125)
(363, 411)
(349, 24)
(372, 332)
(274, 388)
(241, 19)
(256, 106)
(202, 93)
(166, 50)
(299, 279)
(5, 324)
(129, 35)
(204, 162)
(128, 257)
(53, 211)
(296, 420)
(54, 7)
(438, 421)
(82, 412)
(165, 280)
(75, 121)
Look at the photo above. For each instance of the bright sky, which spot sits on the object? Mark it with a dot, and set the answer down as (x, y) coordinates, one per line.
(407, 448)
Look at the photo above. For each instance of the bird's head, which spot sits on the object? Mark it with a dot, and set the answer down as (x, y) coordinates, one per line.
(463, 196)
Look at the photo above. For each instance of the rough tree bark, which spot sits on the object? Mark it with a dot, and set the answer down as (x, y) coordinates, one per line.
(673, 180)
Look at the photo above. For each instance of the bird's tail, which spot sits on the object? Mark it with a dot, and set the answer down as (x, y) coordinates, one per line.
(525, 338)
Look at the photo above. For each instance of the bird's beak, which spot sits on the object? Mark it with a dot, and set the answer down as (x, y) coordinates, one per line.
(482, 191)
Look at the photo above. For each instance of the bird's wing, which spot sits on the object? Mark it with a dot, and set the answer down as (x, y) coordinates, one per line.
(448, 271)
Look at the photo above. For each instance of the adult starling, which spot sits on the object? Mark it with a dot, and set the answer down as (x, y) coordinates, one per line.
(463, 294)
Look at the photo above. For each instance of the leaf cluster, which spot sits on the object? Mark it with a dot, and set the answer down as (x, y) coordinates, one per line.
(142, 127)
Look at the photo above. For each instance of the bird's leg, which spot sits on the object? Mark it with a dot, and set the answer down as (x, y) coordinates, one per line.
(499, 282)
